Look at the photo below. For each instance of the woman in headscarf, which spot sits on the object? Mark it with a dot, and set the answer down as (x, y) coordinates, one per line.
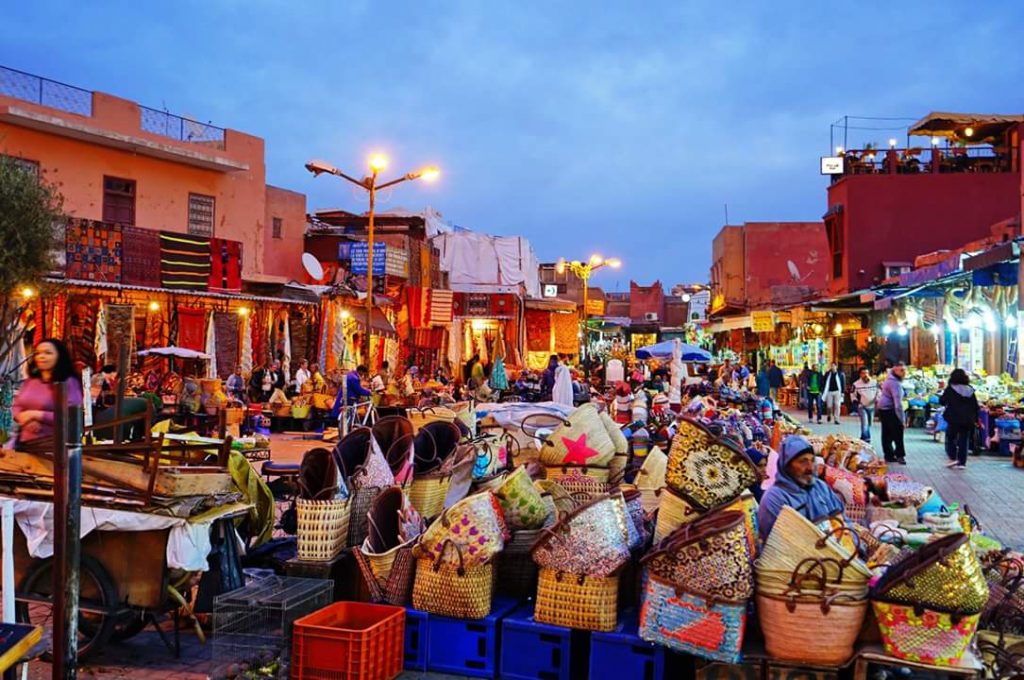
(562, 392)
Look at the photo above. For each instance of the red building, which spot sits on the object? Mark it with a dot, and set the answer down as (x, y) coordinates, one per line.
(891, 206)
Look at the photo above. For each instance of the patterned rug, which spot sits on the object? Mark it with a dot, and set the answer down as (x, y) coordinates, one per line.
(120, 331)
(93, 251)
(225, 325)
(140, 259)
(184, 261)
(192, 328)
(80, 327)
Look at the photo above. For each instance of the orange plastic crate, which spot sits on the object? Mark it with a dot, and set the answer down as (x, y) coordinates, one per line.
(349, 641)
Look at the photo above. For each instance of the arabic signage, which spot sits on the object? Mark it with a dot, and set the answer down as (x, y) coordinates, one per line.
(762, 322)
(359, 253)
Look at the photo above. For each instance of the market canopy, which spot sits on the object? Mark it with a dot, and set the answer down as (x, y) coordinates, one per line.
(178, 352)
(663, 352)
(987, 126)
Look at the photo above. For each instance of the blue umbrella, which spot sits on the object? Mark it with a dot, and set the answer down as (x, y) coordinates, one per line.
(663, 352)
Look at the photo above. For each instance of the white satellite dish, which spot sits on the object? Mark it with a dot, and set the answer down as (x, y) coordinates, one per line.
(312, 266)
(793, 271)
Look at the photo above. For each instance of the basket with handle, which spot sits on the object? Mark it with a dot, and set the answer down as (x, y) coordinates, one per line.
(580, 439)
(580, 478)
(521, 501)
(461, 591)
(366, 472)
(650, 479)
(790, 623)
(943, 575)
(577, 600)
(591, 540)
(924, 635)
(386, 561)
(435, 444)
(322, 518)
(705, 469)
(430, 414)
(692, 624)
(793, 538)
(620, 461)
(475, 525)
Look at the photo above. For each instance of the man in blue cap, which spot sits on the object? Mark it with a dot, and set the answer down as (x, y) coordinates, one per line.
(797, 486)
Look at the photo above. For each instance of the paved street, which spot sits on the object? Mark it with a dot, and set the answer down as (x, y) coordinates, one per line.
(990, 485)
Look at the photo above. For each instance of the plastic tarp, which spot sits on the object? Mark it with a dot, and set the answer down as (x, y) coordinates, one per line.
(663, 352)
(482, 263)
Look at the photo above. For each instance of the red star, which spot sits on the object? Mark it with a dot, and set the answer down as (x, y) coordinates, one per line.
(579, 452)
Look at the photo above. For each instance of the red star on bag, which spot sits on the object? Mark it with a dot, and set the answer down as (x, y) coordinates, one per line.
(578, 451)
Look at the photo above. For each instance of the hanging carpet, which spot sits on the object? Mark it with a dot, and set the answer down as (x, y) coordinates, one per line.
(140, 257)
(225, 327)
(184, 261)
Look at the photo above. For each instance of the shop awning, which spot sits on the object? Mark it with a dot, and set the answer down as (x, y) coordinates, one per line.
(1004, 252)
(169, 291)
(729, 323)
(550, 304)
(986, 126)
(379, 324)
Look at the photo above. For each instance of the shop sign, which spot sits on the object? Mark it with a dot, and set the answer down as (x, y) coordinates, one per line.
(595, 307)
(550, 290)
(831, 165)
(360, 255)
(762, 322)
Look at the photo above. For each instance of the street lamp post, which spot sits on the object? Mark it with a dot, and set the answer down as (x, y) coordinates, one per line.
(378, 162)
(583, 271)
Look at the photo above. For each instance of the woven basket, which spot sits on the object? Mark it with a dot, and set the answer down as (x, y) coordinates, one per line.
(924, 636)
(561, 498)
(902, 514)
(810, 577)
(388, 575)
(475, 525)
(323, 402)
(281, 410)
(593, 539)
(793, 627)
(577, 601)
(580, 440)
(466, 413)
(577, 479)
(692, 624)
(422, 416)
(706, 469)
(323, 527)
(461, 592)
(300, 412)
(673, 512)
(358, 526)
(793, 539)
(234, 415)
(521, 502)
(709, 557)
(427, 493)
(944, 575)
(650, 479)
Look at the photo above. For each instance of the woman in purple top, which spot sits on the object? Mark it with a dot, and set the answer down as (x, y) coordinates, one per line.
(34, 404)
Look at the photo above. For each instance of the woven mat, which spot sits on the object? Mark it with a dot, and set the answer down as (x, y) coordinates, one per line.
(225, 325)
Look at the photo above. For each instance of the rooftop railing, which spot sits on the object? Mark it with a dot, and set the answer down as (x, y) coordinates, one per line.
(180, 128)
(934, 160)
(45, 92)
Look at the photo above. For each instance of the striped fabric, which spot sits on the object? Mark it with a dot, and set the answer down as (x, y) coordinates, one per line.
(439, 312)
(184, 261)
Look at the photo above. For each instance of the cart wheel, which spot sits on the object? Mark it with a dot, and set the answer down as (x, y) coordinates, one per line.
(96, 588)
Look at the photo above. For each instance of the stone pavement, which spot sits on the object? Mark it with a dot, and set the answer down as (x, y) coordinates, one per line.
(990, 486)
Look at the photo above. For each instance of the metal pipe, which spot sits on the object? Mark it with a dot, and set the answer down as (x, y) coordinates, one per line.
(67, 501)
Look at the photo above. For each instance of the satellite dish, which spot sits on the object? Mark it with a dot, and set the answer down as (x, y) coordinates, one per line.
(793, 271)
(312, 266)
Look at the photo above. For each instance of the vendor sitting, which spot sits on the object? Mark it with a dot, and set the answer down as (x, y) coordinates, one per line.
(797, 486)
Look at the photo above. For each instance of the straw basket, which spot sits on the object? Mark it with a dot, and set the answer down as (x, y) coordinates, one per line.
(427, 493)
(924, 636)
(466, 413)
(593, 539)
(692, 624)
(521, 501)
(422, 416)
(577, 601)
(579, 479)
(234, 415)
(389, 575)
(673, 512)
(561, 498)
(323, 402)
(323, 527)
(706, 469)
(944, 574)
(650, 479)
(789, 624)
(459, 592)
(794, 539)
(300, 412)
(281, 409)
(580, 440)
(475, 525)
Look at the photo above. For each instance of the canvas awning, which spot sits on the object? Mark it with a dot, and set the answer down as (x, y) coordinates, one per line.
(986, 126)
(550, 305)
(379, 324)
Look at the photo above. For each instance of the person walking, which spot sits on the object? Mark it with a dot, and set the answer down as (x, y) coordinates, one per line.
(763, 388)
(775, 382)
(890, 414)
(961, 417)
(865, 391)
(814, 385)
(801, 382)
(834, 387)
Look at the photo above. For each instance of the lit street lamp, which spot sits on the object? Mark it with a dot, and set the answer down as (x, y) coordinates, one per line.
(583, 270)
(377, 162)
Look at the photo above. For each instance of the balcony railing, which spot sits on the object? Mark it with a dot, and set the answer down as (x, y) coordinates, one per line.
(45, 92)
(180, 128)
(917, 160)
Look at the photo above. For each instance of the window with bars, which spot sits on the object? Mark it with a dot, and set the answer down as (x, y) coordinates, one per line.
(276, 226)
(119, 200)
(201, 214)
(24, 164)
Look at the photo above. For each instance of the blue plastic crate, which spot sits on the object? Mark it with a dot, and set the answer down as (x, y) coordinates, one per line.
(534, 651)
(621, 654)
(416, 629)
(467, 647)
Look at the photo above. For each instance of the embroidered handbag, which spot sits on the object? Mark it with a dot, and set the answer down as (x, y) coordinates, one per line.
(692, 624)
(709, 557)
(592, 540)
(923, 635)
(521, 501)
(475, 525)
(705, 469)
(590, 481)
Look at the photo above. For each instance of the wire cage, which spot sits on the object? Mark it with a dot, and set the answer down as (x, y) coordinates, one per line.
(252, 626)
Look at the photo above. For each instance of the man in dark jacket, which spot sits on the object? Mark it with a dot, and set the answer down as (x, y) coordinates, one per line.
(797, 486)
(775, 382)
(961, 416)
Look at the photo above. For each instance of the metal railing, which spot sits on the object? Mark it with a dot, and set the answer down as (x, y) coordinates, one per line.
(45, 92)
(180, 128)
(917, 160)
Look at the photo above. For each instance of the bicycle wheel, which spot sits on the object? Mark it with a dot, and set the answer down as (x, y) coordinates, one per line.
(97, 590)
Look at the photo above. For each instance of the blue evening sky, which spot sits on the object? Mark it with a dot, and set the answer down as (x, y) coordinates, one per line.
(618, 127)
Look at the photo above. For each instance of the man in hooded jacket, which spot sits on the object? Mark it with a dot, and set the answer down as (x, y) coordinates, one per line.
(797, 486)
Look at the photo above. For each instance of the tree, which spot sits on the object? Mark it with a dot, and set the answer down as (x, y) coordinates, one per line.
(29, 208)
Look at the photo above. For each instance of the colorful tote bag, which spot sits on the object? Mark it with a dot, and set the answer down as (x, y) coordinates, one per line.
(521, 501)
(476, 527)
(924, 636)
(692, 624)
(579, 440)
(706, 469)
(592, 540)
